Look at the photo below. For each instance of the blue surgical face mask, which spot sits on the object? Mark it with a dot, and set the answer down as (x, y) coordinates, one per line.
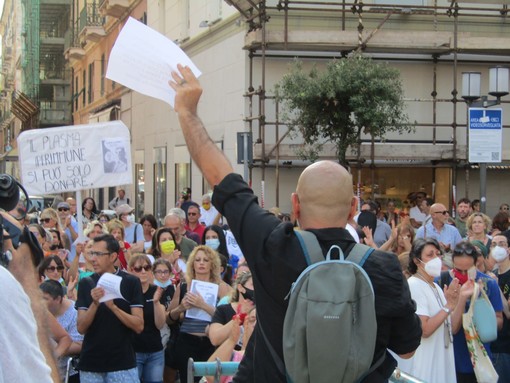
(163, 285)
(213, 243)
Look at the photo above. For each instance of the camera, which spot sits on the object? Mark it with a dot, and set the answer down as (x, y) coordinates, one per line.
(10, 190)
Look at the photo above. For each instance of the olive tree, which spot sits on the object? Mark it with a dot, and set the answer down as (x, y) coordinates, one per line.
(353, 95)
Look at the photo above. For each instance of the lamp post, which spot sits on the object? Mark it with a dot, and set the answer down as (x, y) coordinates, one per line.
(498, 87)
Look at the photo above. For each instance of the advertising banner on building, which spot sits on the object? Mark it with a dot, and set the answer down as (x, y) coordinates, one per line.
(77, 157)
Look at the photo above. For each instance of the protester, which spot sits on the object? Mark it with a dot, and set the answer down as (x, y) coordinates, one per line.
(116, 228)
(121, 199)
(434, 308)
(323, 202)
(65, 313)
(89, 210)
(108, 327)
(147, 345)
(27, 355)
(208, 213)
(242, 300)
(133, 231)
(464, 259)
(501, 347)
(228, 350)
(149, 225)
(192, 342)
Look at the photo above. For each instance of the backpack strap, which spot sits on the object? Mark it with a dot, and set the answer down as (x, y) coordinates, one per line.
(310, 246)
(360, 253)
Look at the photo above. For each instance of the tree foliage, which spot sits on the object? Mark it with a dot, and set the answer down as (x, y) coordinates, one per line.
(351, 96)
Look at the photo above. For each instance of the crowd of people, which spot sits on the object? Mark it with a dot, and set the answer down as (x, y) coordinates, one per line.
(146, 335)
(442, 259)
(136, 299)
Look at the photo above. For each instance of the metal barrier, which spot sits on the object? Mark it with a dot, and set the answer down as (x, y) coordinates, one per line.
(219, 369)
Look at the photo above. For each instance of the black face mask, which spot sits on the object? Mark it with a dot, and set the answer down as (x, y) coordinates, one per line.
(249, 294)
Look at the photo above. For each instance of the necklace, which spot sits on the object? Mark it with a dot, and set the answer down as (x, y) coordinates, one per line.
(448, 336)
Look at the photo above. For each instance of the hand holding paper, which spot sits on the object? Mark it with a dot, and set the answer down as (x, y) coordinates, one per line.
(142, 59)
(111, 285)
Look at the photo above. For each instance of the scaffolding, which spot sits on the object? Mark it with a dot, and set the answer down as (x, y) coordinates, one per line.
(46, 78)
(325, 30)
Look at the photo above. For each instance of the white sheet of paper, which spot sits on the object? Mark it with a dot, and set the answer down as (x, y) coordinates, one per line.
(142, 60)
(111, 285)
(208, 291)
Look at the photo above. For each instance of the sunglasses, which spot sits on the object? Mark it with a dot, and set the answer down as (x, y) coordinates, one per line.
(465, 250)
(46, 220)
(441, 212)
(192, 214)
(139, 268)
(162, 272)
(54, 268)
(63, 209)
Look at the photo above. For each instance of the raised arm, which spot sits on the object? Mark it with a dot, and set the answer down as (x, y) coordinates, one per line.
(211, 161)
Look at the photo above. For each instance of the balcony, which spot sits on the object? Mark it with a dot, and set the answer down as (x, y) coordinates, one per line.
(72, 49)
(114, 8)
(55, 113)
(91, 24)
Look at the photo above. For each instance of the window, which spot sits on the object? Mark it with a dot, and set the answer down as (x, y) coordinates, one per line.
(76, 93)
(91, 83)
(102, 74)
(84, 90)
(160, 180)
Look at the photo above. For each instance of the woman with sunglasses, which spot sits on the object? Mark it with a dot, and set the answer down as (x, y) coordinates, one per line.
(241, 302)
(478, 225)
(53, 268)
(162, 270)
(50, 220)
(147, 345)
(204, 266)
(433, 361)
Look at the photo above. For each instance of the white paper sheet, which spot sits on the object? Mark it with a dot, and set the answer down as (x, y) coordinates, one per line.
(208, 291)
(142, 60)
(111, 285)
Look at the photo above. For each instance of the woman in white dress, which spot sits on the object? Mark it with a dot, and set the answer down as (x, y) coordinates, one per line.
(434, 360)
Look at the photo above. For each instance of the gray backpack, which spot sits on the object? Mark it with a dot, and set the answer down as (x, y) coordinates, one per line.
(330, 327)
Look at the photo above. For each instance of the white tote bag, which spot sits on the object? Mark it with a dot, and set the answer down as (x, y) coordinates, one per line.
(482, 364)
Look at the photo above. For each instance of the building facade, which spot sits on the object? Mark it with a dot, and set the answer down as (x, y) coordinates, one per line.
(244, 52)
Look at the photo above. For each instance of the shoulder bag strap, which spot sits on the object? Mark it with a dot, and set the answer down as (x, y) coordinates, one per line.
(311, 247)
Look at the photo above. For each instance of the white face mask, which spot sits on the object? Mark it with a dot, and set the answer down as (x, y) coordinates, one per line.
(433, 267)
(130, 218)
(499, 254)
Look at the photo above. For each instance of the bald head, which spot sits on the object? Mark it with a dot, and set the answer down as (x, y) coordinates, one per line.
(324, 196)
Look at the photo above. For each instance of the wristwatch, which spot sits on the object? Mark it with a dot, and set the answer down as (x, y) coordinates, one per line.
(446, 310)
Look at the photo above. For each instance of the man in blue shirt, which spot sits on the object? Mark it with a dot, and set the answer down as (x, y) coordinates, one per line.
(447, 235)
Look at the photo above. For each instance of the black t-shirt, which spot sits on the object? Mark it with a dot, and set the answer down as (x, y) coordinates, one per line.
(223, 314)
(107, 345)
(502, 344)
(275, 258)
(150, 338)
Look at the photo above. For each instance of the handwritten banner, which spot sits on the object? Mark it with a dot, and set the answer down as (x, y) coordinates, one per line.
(77, 157)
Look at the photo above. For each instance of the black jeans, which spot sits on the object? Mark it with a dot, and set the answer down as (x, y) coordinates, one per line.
(190, 346)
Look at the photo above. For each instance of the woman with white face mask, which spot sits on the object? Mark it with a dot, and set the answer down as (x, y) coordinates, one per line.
(434, 359)
(133, 231)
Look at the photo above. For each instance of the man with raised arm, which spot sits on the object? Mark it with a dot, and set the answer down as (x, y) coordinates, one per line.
(323, 203)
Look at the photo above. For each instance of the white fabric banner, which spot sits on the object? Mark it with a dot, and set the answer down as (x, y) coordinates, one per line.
(76, 157)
